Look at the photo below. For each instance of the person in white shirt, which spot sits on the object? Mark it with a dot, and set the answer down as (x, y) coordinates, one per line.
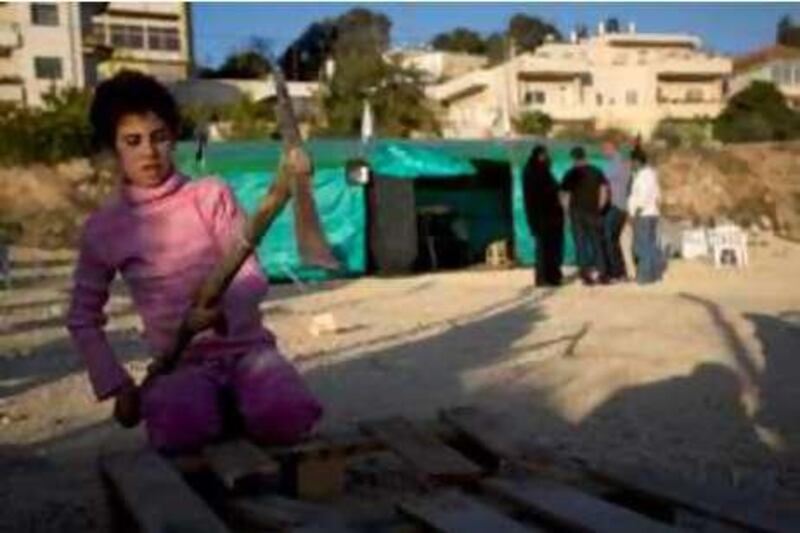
(643, 210)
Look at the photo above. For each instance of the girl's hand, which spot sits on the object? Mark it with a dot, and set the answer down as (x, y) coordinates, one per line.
(126, 406)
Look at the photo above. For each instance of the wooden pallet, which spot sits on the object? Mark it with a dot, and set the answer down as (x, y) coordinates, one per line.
(468, 472)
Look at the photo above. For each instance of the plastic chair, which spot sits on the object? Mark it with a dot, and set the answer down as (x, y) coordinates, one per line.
(729, 245)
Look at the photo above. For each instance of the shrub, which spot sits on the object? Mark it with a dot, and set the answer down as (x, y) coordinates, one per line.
(756, 114)
(683, 133)
(533, 123)
(56, 131)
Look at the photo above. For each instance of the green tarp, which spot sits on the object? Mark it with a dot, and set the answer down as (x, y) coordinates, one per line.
(249, 168)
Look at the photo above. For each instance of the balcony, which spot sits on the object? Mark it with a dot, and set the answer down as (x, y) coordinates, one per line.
(10, 36)
(691, 108)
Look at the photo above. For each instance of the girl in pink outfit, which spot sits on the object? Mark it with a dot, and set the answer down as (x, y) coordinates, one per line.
(163, 235)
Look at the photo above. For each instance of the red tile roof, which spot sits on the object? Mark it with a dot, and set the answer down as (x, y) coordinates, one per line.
(765, 55)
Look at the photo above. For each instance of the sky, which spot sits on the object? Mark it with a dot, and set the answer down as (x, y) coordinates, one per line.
(731, 28)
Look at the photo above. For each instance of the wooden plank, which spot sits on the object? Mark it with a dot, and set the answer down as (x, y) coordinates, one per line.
(496, 436)
(570, 508)
(237, 460)
(278, 513)
(721, 503)
(320, 479)
(454, 512)
(156, 496)
(343, 443)
(423, 452)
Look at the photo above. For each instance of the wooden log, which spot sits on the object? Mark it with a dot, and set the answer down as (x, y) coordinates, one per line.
(569, 508)
(454, 512)
(156, 496)
(236, 461)
(423, 452)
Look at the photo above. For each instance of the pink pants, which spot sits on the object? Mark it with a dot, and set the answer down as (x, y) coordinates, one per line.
(184, 410)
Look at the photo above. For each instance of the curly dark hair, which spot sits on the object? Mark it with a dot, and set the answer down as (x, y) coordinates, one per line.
(129, 92)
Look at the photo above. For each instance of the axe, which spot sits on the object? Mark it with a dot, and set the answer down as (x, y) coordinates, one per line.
(294, 179)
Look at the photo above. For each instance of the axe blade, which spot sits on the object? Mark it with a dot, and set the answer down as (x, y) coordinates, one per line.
(312, 245)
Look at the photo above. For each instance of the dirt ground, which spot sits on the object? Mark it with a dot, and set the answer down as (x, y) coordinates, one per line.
(697, 374)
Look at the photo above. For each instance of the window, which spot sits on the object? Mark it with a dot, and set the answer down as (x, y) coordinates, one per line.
(599, 98)
(123, 36)
(47, 68)
(535, 97)
(631, 97)
(163, 39)
(797, 74)
(694, 95)
(775, 73)
(44, 14)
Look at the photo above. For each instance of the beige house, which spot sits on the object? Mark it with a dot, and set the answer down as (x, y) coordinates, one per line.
(437, 66)
(777, 64)
(152, 37)
(40, 49)
(629, 81)
(55, 45)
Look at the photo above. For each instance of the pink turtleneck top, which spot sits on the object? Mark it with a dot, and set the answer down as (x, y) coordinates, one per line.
(163, 241)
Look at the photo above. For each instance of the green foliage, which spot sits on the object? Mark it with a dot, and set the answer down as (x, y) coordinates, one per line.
(56, 131)
(529, 32)
(496, 48)
(460, 40)
(250, 119)
(533, 123)
(588, 134)
(395, 93)
(683, 133)
(305, 57)
(247, 63)
(758, 113)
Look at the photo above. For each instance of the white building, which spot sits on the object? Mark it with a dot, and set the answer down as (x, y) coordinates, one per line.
(56, 45)
(777, 64)
(40, 49)
(437, 66)
(629, 81)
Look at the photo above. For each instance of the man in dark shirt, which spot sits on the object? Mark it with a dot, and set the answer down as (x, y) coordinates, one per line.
(588, 192)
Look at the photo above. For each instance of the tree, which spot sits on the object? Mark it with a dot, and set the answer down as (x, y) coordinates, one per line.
(612, 25)
(460, 40)
(758, 113)
(247, 63)
(357, 29)
(305, 57)
(396, 94)
(496, 48)
(362, 30)
(788, 33)
(528, 33)
(533, 123)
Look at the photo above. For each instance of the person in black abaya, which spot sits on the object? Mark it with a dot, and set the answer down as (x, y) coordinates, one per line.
(545, 216)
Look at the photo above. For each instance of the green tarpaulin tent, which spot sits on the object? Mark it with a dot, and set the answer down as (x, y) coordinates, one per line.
(249, 167)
